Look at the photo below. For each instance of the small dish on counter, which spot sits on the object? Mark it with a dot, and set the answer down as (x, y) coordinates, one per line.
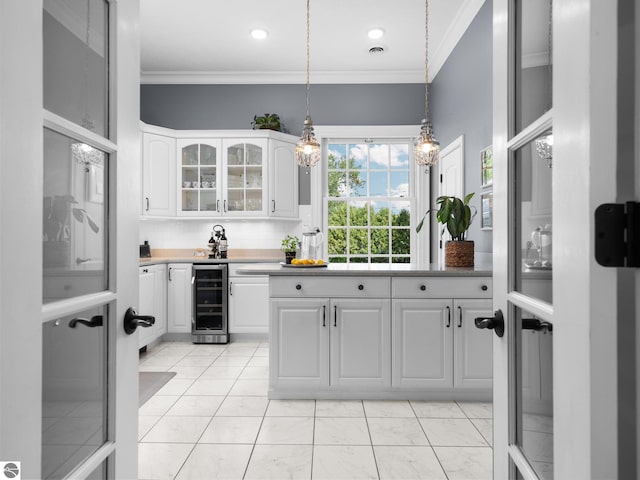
(314, 265)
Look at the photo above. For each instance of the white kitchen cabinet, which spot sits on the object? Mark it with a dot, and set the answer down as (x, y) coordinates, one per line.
(158, 175)
(360, 344)
(319, 341)
(248, 302)
(179, 297)
(299, 344)
(422, 344)
(152, 301)
(283, 179)
(218, 173)
(199, 177)
(435, 341)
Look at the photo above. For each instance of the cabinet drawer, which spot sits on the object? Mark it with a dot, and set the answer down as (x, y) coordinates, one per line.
(335, 287)
(438, 287)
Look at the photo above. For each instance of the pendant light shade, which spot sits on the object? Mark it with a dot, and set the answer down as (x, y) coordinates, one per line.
(308, 147)
(427, 148)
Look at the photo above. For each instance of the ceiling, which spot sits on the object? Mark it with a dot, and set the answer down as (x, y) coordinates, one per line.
(209, 41)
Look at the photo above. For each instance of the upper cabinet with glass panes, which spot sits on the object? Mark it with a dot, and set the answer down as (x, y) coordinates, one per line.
(224, 173)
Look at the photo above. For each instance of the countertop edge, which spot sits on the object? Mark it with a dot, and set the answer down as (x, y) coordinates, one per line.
(277, 270)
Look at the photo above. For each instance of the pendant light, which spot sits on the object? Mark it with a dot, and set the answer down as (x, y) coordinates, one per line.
(427, 148)
(308, 147)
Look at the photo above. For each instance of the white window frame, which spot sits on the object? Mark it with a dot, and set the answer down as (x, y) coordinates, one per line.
(421, 183)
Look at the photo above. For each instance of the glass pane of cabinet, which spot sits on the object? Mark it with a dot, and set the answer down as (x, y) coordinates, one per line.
(245, 177)
(198, 178)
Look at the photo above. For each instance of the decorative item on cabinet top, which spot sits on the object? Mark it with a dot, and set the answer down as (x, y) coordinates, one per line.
(268, 121)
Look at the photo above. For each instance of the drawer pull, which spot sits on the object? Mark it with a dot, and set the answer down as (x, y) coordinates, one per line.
(298, 287)
(423, 287)
(484, 288)
(360, 287)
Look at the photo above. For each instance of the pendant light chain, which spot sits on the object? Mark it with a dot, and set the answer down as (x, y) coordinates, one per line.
(426, 60)
(308, 55)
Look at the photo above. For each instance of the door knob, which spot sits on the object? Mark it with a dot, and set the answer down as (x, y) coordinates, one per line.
(536, 324)
(495, 323)
(132, 321)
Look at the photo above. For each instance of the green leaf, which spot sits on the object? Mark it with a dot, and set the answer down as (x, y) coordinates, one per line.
(468, 197)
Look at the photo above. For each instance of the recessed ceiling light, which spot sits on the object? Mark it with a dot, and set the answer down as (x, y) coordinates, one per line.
(375, 33)
(259, 34)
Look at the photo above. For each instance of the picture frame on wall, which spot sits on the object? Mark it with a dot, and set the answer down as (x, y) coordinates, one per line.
(486, 211)
(486, 166)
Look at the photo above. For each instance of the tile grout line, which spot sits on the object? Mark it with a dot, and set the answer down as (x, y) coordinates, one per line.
(433, 450)
(373, 450)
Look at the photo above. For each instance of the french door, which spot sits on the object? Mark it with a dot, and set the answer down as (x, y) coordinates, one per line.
(556, 119)
(69, 153)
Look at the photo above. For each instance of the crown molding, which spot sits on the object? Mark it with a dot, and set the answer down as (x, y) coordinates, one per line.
(268, 78)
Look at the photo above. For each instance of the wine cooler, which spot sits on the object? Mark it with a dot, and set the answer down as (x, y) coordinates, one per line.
(209, 323)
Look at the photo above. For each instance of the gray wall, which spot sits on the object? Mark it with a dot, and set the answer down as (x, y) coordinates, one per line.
(233, 106)
(460, 101)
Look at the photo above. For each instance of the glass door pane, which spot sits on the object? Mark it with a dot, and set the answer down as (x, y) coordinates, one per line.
(534, 391)
(533, 61)
(76, 66)
(74, 218)
(74, 390)
(533, 218)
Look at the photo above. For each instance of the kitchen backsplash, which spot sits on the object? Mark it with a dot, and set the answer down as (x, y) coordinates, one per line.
(240, 233)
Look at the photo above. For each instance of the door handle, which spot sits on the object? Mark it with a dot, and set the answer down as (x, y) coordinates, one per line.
(96, 321)
(80, 261)
(132, 321)
(147, 199)
(537, 325)
(170, 273)
(448, 317)
(324, 315)
(335, 315)
(459, 316)
(218, 206)
(224, 205)
(273, 206)
(495, 323)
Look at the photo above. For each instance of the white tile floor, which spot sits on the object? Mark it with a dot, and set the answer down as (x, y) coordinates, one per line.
(213, 420)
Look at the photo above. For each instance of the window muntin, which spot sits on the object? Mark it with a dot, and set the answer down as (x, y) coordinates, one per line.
(369, 202)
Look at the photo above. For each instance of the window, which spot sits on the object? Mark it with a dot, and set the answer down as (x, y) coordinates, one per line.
(369, 202)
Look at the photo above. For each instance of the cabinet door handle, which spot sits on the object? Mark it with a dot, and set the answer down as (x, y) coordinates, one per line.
(459, 316)
(224, 203)
(273, 206)
(170, 268)
(324, 315)
(448, 317)
(335, 315)
(230, 288)
(147, 199)
(423, 287)
(218, 206)
(145, 270)
(360, 287)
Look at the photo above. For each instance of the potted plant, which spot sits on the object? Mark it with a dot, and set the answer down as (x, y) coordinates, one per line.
(455, 215)
(269, 121)
(289, 245)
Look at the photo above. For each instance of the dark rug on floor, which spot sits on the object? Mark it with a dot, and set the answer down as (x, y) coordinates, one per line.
(149, 383)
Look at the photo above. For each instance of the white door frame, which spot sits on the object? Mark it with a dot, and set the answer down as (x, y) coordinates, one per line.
(445, 157)
(584, 294)
(21, 193)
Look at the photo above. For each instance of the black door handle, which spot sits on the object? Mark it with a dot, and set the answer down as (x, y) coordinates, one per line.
(495, 323)
(535, 324)
(132, 321)
(96, 321)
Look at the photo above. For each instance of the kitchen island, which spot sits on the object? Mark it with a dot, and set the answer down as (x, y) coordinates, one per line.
(378, 331)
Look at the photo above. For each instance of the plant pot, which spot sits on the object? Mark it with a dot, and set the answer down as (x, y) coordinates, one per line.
(288, 256)
(458, 253)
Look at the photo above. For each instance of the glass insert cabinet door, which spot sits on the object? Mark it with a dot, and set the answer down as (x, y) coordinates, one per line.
(245, 189)
(199, 177)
